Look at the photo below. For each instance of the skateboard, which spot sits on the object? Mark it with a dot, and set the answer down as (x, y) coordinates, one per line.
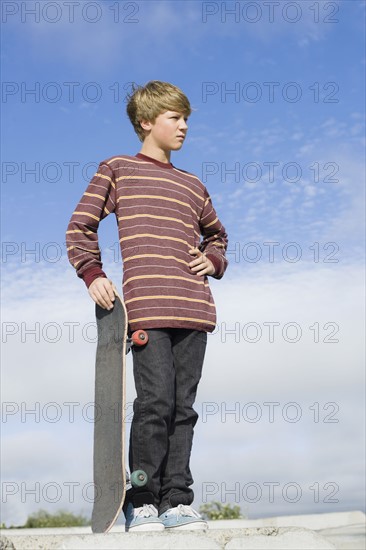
(110, 476)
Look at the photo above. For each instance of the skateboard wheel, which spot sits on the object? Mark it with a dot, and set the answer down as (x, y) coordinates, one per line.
(138, 478)
(139, 338)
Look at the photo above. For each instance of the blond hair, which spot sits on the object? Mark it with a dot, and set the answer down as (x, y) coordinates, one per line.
(149, 101)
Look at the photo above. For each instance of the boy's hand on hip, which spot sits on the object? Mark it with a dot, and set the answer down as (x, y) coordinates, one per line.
(201, 265)
(102, 292)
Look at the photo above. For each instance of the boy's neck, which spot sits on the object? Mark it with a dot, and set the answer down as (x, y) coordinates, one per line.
(155, 153)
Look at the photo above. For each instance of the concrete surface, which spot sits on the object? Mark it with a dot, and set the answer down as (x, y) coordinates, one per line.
(340, 531)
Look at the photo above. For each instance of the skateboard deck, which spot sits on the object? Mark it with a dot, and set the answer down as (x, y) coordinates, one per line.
(109, 421)
(109, 433)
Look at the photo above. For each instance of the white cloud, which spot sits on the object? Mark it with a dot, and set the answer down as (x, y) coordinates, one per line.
(325, 205)
(299, 301)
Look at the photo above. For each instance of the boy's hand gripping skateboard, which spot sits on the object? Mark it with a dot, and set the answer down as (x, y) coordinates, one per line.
(109, 423)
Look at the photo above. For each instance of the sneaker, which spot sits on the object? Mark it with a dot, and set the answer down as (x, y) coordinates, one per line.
(182, 517)
(144, 518)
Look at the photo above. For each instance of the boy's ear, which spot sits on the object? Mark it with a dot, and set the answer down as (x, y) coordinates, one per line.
(146, 125)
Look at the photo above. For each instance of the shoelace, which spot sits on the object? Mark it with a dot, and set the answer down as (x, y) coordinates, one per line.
(145, 511)
(184, 510)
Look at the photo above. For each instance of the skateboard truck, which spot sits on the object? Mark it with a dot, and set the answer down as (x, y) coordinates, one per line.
(138, 338)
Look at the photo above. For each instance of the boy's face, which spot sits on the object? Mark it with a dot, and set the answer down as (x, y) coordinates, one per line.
(168, 131)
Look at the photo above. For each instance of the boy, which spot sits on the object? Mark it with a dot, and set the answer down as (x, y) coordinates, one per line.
(161, 213)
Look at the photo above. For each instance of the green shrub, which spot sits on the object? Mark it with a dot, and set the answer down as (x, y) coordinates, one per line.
(61, 519)
(216, 510)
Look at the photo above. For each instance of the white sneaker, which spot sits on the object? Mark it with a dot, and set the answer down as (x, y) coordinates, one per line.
(182, 517)
(144, 518)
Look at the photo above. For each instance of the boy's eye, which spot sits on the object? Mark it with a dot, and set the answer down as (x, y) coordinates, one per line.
(178, 117)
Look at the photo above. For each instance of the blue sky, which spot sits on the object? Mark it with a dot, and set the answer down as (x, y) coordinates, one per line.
(277, 135)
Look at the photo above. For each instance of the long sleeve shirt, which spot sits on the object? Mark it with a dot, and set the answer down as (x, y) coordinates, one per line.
(162, 212)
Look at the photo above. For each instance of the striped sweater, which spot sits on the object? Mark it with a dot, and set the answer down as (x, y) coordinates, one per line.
(161, 212)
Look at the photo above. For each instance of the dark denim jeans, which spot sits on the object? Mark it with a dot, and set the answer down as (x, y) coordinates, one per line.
(166, 371)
